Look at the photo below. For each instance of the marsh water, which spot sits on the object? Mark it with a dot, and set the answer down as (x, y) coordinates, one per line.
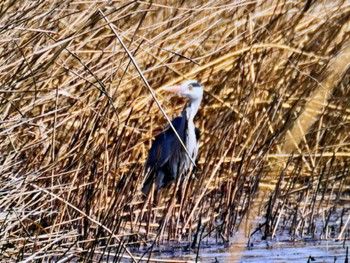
(302, 251)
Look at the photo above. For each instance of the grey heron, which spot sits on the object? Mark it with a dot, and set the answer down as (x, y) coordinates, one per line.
(167, 157)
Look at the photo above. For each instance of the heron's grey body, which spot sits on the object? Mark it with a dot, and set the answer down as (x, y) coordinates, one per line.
(167, 158)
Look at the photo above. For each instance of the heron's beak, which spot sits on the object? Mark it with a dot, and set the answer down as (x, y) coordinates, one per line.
(175, 89)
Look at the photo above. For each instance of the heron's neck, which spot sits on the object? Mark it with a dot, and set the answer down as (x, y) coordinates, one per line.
(191, 108)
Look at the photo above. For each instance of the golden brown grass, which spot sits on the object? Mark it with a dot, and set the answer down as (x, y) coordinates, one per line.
(77, 121)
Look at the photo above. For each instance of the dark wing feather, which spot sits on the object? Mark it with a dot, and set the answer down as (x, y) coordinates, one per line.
(198, 133)
(165, 155)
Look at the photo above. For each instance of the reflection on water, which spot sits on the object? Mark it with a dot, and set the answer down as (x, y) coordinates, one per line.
(282, 252)
(320, 251)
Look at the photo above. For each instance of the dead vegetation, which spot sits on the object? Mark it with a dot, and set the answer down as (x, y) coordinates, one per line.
(77, 121)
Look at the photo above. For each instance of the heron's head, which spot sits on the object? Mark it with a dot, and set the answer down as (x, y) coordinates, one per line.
(190, 89)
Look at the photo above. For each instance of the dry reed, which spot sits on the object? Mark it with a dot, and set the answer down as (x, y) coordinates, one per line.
(77, 121)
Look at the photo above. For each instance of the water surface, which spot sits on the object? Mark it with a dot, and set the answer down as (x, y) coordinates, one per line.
(320, 251)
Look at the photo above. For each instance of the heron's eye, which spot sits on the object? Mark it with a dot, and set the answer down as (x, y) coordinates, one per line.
(190, 87)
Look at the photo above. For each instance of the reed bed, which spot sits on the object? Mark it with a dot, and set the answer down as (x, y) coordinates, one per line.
(77, 121)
